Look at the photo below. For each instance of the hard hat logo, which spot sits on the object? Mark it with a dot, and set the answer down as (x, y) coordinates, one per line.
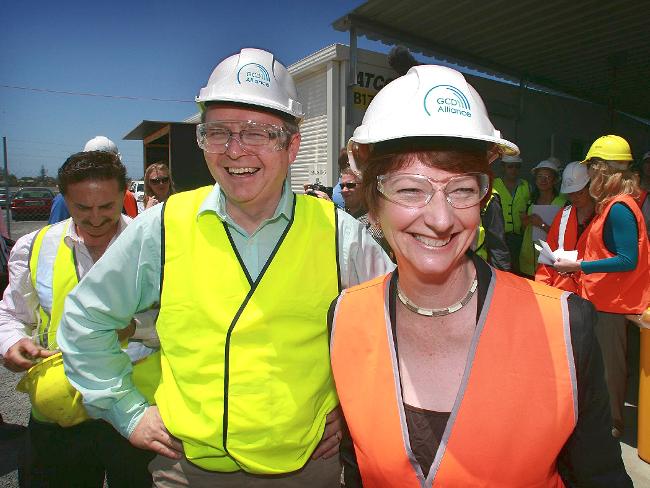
(447, 99)
(254, 73)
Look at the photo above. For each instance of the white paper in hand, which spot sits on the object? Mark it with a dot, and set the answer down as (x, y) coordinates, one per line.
(548, 256)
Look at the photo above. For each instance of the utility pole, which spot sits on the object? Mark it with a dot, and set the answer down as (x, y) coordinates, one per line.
(7, 199)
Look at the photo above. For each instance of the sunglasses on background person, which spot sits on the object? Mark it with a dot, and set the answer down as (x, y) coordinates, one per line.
(159, 181)
(349, 186)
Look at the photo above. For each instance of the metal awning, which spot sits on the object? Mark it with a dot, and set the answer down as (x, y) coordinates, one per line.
(594, 50)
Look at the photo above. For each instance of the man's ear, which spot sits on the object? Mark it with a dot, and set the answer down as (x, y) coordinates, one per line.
(293, 147)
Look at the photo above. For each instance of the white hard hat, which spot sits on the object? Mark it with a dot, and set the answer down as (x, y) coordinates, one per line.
(546, 164)
(428, 101)
(101, 143)
(575, 177)
(252, 77)
(646, 156)
(511, 159)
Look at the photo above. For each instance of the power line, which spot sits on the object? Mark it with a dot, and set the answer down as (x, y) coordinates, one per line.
(100, 95)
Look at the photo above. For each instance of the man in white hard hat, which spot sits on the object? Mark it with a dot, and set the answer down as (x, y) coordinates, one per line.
(65, 450)
(244, 272)
(514, 193)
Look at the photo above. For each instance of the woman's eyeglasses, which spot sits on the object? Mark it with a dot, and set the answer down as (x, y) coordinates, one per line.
(415, 191)
(349, 186)
(159, 181)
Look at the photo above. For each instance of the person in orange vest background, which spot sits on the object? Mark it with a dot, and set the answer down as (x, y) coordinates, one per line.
(568, 228)
(613, 273)
(450, 372)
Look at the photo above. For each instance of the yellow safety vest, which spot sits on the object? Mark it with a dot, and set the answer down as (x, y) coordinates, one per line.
(53, 271)
(481, 248)
(528, 255)
(512, 205)
(54, 275)
(246, 382)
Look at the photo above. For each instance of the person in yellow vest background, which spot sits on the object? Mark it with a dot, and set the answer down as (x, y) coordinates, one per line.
(451, 373)
(546, 175)
(244, 272)
(514, 193)
(67, 449)
(613, 273)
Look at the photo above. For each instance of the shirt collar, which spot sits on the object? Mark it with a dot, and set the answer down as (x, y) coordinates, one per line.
(216, 202)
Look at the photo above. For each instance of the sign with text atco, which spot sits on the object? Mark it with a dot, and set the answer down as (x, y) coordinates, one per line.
(370, 79)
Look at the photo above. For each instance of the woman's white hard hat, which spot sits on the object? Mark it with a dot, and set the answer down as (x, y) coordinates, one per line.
(575, 177)
(428, 101)
(252, 77)
(546, 164)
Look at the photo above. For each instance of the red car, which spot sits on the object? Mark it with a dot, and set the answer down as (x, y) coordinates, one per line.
(31, 203)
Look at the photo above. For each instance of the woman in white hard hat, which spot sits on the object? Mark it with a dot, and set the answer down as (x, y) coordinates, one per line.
(158, 185)
(614, 271)
(567, 231)
(449, 372)
(545, 193)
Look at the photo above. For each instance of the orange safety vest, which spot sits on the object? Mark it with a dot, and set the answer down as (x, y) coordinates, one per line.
(563, 234)
(515, 409)
(625, 292)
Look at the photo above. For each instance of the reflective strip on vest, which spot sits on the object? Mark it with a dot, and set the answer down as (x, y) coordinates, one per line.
(54, 274)
(510, 370)
(625, 292)
(564, 219)
(246, 382)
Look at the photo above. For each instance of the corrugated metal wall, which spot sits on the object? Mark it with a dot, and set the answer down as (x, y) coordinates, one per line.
(311, 162)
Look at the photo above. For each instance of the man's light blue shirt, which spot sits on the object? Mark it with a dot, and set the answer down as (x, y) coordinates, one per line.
(127, 280)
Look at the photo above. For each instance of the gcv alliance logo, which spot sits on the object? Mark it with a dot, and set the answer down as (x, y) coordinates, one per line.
(448, 99)
(254, 73)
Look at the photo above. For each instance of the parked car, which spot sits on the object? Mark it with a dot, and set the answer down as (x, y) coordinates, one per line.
(31, 203)
(3, 198)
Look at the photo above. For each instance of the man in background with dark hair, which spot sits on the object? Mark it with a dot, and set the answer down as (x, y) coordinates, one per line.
(45, 266)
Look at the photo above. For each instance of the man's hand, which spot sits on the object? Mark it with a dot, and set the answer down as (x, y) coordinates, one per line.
(151, 434)
(332, 435)
(123, 335)
(22, 355)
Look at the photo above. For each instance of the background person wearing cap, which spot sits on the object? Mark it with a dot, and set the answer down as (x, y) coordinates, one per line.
(514, 193)
(569, 228)
(246, 396)
(545, 193)
(45, 265)
(449, 372)
(614, 271)
(59, 210)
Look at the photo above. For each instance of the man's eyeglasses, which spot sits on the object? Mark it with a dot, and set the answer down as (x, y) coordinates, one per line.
(415, 191)
(254, 137)
(159, 181)
(349, 186)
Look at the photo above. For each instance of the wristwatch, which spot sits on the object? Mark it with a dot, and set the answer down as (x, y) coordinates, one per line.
(545, 227)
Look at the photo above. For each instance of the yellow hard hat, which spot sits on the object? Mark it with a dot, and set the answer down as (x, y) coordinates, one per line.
(55, 398)
(610, 148)
(51, 393)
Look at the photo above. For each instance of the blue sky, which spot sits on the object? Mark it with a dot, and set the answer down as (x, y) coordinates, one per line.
(165, 49)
